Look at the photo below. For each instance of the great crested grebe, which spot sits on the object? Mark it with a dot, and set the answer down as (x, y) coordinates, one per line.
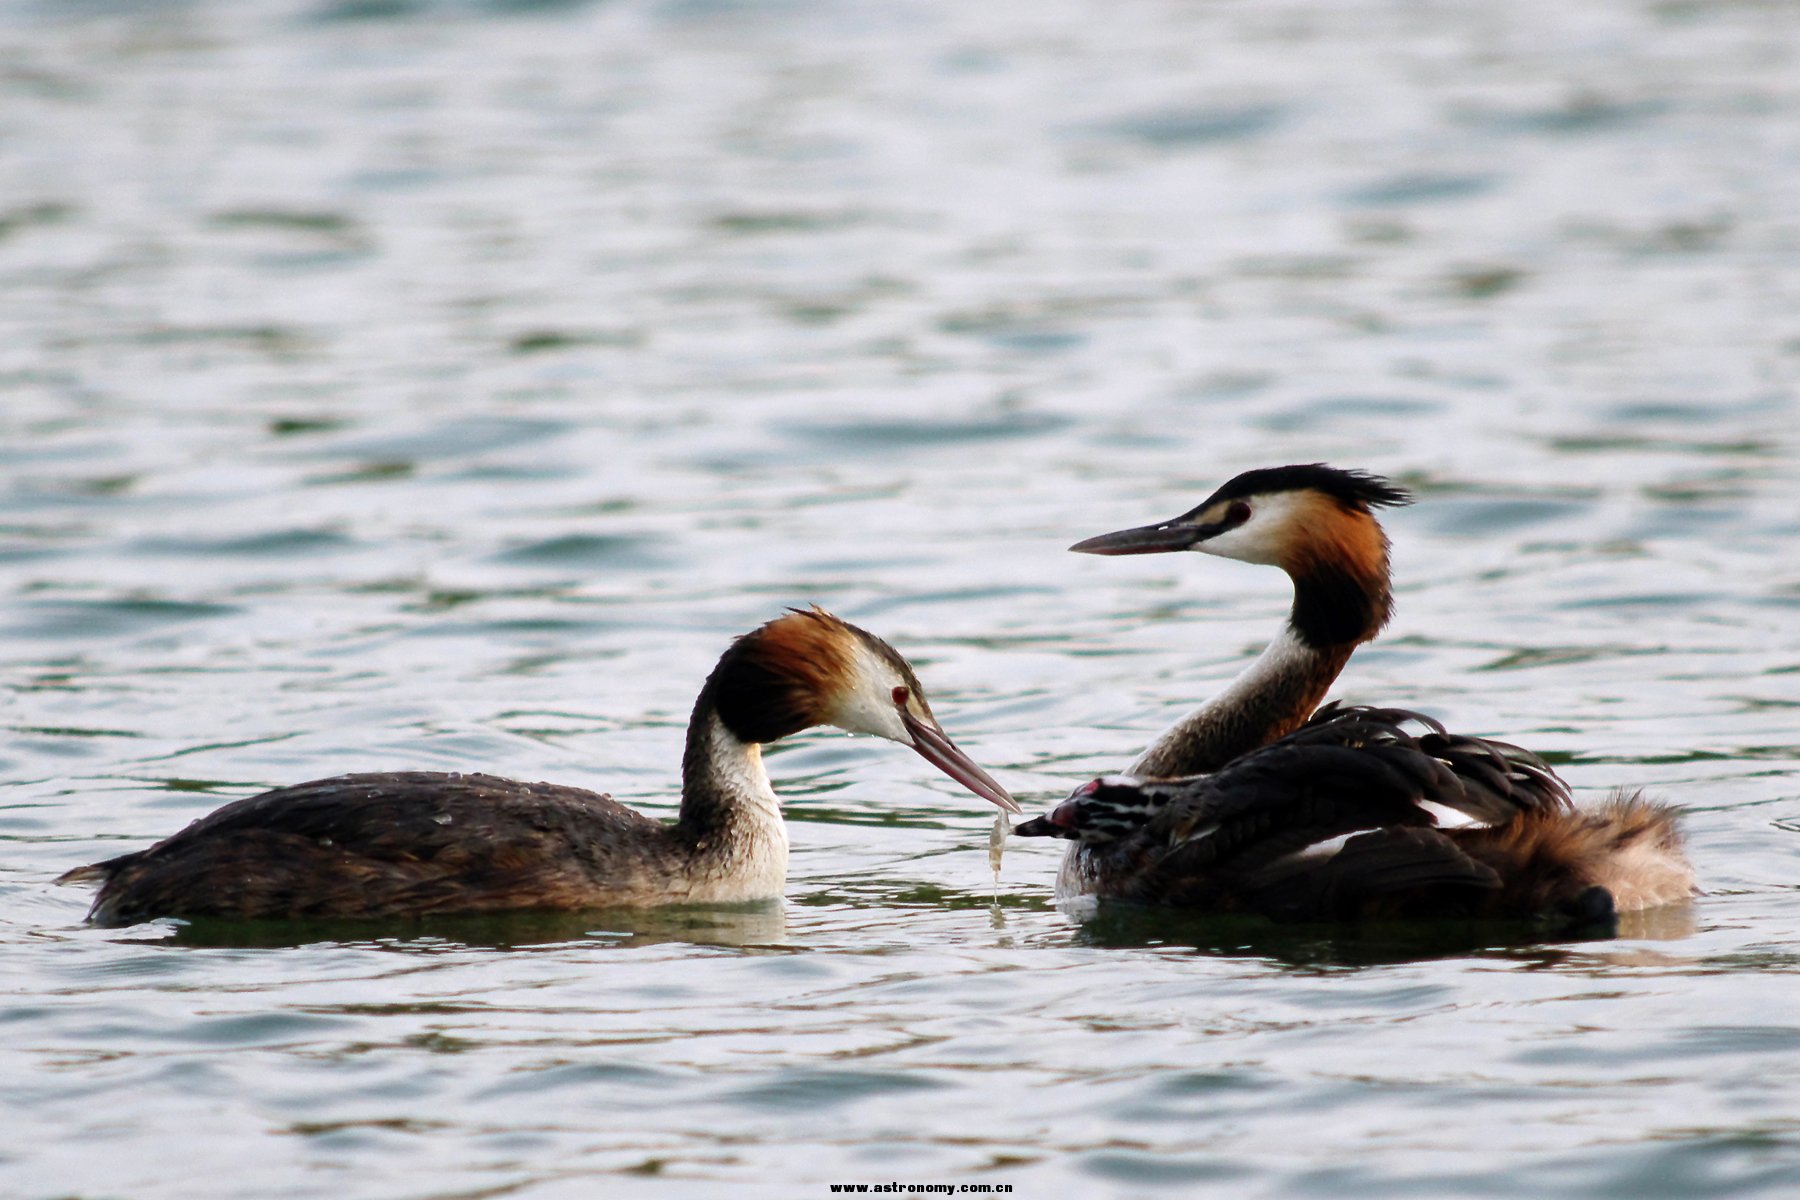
(1239, 806)
(415, 843)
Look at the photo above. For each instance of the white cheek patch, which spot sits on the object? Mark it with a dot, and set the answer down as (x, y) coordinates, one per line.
(867, 705)
(1262, 537)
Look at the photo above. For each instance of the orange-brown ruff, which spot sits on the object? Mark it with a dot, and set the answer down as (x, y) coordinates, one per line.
(1235, 808)
(412, 843)
(813, 654)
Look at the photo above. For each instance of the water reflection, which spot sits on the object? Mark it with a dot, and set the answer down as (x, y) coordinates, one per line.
(750, 927)
(1117, 926)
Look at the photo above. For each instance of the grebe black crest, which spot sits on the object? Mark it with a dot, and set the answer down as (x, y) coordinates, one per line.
(415, 843)
(1241, 806)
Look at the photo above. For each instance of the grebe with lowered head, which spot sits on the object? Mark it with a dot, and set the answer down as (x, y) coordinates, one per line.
(1239, 805)
(417, 843)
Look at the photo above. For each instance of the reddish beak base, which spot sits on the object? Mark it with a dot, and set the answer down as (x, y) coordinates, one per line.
(936, 748)
(1145, 539)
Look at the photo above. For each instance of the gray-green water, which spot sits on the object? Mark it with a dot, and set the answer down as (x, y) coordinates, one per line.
(395, 384)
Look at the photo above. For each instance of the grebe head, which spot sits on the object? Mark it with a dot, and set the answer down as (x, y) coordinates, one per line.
(1103, 810)
(1315, 522)
(808, 667)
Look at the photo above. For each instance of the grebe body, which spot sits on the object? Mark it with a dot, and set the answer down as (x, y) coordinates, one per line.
(1255, 802)
(415, 843)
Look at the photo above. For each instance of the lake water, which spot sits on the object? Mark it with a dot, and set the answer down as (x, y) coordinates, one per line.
(389, 384)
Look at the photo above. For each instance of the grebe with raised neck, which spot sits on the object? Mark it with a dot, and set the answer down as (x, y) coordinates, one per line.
(1244, 805)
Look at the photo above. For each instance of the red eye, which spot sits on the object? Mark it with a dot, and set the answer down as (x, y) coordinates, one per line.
(901, 695)
(1238, 513)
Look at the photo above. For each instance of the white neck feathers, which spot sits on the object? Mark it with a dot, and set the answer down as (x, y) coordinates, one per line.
(740, 843)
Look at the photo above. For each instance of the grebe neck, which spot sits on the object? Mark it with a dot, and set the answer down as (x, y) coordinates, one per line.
(1270, 698)
(730, 824)
(1341, 600)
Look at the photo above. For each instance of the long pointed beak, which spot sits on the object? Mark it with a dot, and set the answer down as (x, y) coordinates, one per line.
(1145, 539)
(936, 748)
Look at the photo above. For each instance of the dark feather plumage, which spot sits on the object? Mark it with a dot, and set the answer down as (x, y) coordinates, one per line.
(1354, 489)
(1355, 755)
(1237, 840)
(1393, 872)
(397, 843)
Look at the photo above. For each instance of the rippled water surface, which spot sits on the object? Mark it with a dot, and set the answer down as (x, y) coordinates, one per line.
(390, 383)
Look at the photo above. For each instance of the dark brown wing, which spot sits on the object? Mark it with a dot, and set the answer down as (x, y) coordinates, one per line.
(389, 844)
(1394, 872)
(1489, 780)
(1357, 770)
(1272, 804)
(1225, 840)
